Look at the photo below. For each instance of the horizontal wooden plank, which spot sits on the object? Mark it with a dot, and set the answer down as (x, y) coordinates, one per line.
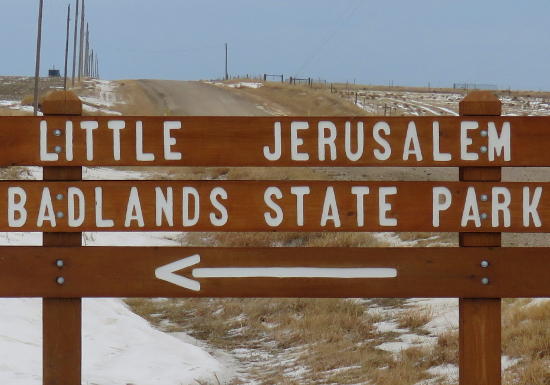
(274, 206)
(273, 272)
(275, 141)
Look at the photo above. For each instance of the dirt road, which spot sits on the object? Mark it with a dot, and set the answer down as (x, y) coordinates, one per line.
(195, 98)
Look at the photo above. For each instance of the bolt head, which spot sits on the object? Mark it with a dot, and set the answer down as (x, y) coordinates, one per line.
(60, 280)
(484, 133)
(483, 149)
(59, 263)
(484, 215)
(57, 149)
(484, 197)
(484, 281)
(484, 263)
(59, 197)
(57, 132)
(60, 214)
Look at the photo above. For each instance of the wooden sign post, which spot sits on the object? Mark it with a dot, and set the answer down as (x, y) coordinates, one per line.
(62, 317)
(479, 207)
(480, 319)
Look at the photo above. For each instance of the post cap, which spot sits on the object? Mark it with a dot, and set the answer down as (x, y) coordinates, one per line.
(61, 103)
(480, 103)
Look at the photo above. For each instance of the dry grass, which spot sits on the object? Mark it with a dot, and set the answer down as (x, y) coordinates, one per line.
(526, 335)
(414, 318)
(326, 340)
(300, 100)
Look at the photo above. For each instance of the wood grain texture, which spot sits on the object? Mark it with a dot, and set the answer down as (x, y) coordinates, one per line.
(61, 316)
(480, 319)
(247, 207)
(130, 272)
(240, 141)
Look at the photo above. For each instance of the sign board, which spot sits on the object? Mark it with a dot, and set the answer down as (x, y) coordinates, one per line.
(274, 206)
(275, 141)
(69, 272)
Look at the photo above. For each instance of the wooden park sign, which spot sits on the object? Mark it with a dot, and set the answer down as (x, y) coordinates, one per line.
(479, 207)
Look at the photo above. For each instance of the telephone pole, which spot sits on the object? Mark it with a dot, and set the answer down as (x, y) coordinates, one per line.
(37, 68)
(226, 74)
(81, 53)
(67, 47)
(74, 40)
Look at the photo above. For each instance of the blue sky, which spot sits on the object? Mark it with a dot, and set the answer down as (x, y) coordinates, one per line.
(502, 42)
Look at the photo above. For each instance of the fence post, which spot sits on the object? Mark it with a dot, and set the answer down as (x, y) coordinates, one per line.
(480, 319)
(62, 317)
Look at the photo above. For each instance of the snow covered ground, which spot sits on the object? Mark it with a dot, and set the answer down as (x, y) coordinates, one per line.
(119, 347)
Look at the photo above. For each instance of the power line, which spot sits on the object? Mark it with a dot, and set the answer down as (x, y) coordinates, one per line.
(337, 29)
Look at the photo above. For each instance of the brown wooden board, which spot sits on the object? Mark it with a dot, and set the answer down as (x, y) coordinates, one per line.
(228, 272)
(249, 141)
(274, 206)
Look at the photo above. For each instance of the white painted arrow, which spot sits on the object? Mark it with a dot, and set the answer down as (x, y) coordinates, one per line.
(166, 272)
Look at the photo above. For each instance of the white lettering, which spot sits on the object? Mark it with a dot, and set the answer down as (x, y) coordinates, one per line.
(45, 212)
(296, 142)
(99, 221)
(300, 191)
(116, 126)
(277, 219)
(16, 207)
(140, 155)
(69, 140)
(164, 205)
(276, 154)
(330, 209)
(499, 144)
(471, 210)
(133, 209)
(74, 193)
(466, 141)
(441, 201)
(169, 141)
(324, 140)
(412, 139)
(223, 217)
(530, 207)
(89, 126)
(44, 154)
(384, 207)
(355, 156)
(360, 192)
(187, 193)
(381, 126)
(502, 206)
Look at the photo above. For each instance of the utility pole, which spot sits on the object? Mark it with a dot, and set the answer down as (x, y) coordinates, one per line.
(91, 64)
(74, 39)
(80, 56)
(87, 51)
(226, 74)
(67, 47)
(37, 68)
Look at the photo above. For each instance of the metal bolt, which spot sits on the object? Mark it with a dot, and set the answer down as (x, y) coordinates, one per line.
(57, 149)
(484, 215)
(484, 281)
(483, 149)
(59, 197)
(484, 133)
(59, 214)
(60, 280)
(484, 197)
(59, 263)
(57, 132)
(484, 264)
